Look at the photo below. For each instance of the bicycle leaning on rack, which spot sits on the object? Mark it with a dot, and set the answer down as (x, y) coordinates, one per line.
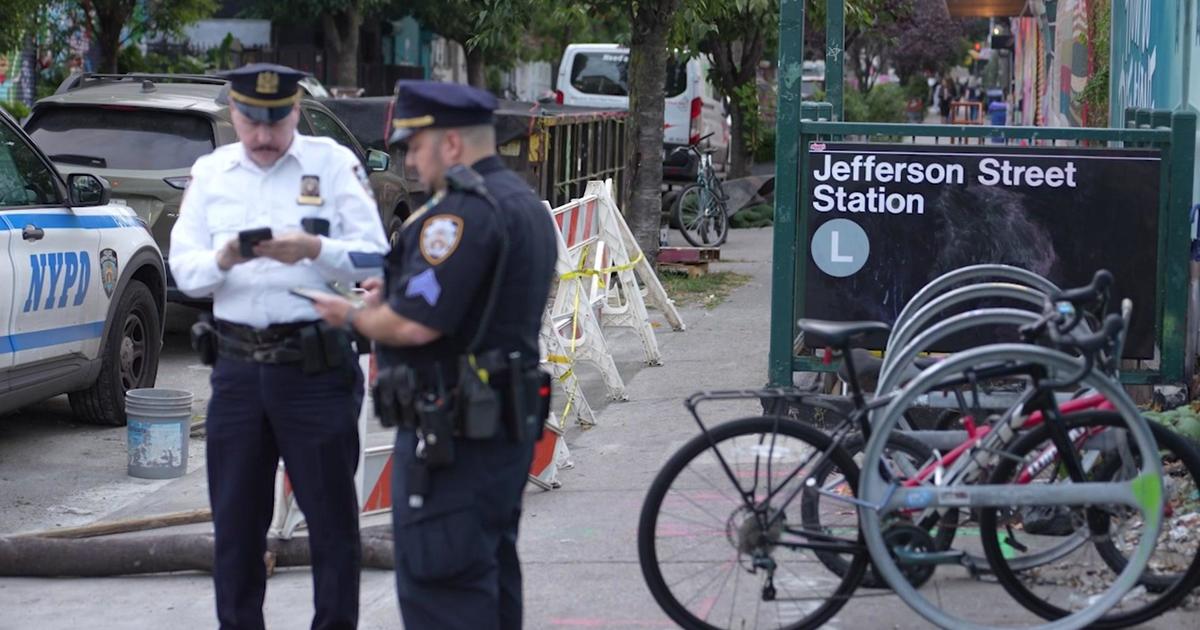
(776, 490)
(700, 210)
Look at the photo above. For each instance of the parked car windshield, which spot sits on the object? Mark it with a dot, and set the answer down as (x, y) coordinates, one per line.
(135, 139)
(607, 74)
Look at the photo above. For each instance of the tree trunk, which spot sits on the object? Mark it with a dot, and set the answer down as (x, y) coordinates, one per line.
(476, 68)
(644, 127)
(740, 153)
(101, 557)
(108, 18)
(341, 35)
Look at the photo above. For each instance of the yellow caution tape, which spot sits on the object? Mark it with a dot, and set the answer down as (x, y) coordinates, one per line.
(603, 273)
(572, 275)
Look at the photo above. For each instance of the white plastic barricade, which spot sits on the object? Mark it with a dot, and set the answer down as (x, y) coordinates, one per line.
(578, 295)
(556, 361)
(622, 263)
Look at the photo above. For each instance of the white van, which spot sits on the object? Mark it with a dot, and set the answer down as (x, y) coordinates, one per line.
(596, 75)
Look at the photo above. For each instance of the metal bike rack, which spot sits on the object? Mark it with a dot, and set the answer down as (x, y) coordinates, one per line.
(990, 290)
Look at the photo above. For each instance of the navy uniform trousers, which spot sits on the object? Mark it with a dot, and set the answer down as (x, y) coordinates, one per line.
(257, 414)
(456, 557)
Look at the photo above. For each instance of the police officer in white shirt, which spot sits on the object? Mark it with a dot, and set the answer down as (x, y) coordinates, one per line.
(271, 214)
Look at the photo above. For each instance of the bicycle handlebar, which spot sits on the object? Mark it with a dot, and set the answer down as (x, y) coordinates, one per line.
(1094, 342)
(1095, 290)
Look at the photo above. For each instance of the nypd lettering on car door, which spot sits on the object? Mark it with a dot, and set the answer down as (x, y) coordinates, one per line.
(73, 268)
(66, 277)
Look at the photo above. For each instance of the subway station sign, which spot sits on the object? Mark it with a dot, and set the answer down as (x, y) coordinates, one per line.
(883, 220)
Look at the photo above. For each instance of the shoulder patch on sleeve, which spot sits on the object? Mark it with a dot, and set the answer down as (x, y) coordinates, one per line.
(440, 235)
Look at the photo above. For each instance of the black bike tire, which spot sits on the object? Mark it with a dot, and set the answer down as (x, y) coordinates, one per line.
(648, 519)
(723, 232)
(810, 514)
(677, 212)
(1167, 440)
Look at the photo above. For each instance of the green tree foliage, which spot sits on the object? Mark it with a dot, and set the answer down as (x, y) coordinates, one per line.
(492, 32)
(104, 21)
(340, 22)
(19, 18)
(555, 24)
(736, 35)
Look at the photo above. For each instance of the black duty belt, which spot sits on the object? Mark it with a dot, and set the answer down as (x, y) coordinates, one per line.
(276, 344)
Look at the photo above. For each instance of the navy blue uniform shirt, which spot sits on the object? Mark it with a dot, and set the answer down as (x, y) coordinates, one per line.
(441, 272)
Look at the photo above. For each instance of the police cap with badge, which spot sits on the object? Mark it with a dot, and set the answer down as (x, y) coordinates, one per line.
(431, 105)
(264, 92)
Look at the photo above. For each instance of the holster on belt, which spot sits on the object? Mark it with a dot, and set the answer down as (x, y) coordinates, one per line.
(204, 339)
(530, 400)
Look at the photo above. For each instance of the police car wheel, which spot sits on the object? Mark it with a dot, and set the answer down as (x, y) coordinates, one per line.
(129, 358)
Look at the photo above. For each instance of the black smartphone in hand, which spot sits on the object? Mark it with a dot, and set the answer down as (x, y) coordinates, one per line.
(247, 239)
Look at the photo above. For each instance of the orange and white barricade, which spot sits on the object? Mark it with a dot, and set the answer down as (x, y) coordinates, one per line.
(373, 479)
(550, 455)
(578, 296)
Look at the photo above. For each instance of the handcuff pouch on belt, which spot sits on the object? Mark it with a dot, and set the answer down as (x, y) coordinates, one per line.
(477, 404)
(395, 395)
(322, 348)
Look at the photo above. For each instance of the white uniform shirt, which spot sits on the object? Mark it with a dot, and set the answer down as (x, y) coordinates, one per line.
(229, 193)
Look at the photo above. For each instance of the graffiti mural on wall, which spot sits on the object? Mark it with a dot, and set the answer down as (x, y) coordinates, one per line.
(1136, 85)
(8, 77)
(1025, 75)
(1070, 67)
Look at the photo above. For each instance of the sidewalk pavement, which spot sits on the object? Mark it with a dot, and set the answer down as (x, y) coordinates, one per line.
(578, 543)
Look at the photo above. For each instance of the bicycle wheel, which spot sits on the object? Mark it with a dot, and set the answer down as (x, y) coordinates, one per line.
(714, 542)
(721, 212)
(701, 217)
(905, 456)
(964, 487)
(1050, 591)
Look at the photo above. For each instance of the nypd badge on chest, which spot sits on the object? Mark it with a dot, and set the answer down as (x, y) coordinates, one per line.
(440, 235)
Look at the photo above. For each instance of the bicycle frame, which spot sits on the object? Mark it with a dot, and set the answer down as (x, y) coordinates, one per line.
(860, 418)
(976, 434)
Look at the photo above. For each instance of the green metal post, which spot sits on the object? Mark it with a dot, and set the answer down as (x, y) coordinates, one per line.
(835, 55)
(1142, 118)
(787, 190)
(1160, 118)
(1174, 321)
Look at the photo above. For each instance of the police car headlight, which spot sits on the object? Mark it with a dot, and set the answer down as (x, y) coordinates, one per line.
(178, 183)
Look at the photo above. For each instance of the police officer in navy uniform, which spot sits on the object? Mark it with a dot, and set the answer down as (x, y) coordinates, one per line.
(284, 382)
(456, 322)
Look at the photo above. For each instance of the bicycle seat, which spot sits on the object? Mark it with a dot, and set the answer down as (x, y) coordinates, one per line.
(838, 334)
(867, 367)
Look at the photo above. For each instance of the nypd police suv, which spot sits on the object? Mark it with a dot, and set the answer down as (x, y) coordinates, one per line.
(82, 288)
